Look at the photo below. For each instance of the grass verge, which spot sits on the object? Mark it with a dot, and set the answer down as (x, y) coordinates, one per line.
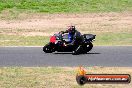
(114, 39)
(101, 39)
(17, 40)
(53, 6)
(55, 77)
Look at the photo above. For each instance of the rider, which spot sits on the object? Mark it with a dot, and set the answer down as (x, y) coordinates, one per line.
(74, 35)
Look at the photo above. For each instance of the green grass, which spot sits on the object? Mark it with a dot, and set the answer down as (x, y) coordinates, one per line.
(16, 40)
(54, 77)
(114, 39)
(55, 6)
(101, 39)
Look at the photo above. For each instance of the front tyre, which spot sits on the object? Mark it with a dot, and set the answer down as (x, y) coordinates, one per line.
(47, 48)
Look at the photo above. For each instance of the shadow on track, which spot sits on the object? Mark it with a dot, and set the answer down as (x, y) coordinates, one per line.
(71, 53)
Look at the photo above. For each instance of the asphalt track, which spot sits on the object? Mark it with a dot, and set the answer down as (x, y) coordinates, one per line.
(34, 56)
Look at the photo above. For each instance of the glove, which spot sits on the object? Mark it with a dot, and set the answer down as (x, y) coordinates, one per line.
(61, 32)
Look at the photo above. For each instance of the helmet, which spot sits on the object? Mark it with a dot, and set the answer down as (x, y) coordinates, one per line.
(71, 29)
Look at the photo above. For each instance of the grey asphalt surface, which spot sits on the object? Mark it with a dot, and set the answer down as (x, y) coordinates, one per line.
(34, 56)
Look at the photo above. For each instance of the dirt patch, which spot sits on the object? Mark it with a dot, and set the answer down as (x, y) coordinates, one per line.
(45, 24)
(36, 34)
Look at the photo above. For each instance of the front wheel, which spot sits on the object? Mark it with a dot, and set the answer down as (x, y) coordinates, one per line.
(47, 48)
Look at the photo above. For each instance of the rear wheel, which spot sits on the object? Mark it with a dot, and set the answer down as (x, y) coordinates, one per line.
(89, 47)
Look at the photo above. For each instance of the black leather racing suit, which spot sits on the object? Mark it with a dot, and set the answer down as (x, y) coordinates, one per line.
(75, 37)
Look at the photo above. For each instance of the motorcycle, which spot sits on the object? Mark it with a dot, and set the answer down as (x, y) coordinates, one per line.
(59, 42)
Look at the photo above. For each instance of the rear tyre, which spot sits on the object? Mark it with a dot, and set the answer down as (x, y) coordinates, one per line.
(89, 47)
